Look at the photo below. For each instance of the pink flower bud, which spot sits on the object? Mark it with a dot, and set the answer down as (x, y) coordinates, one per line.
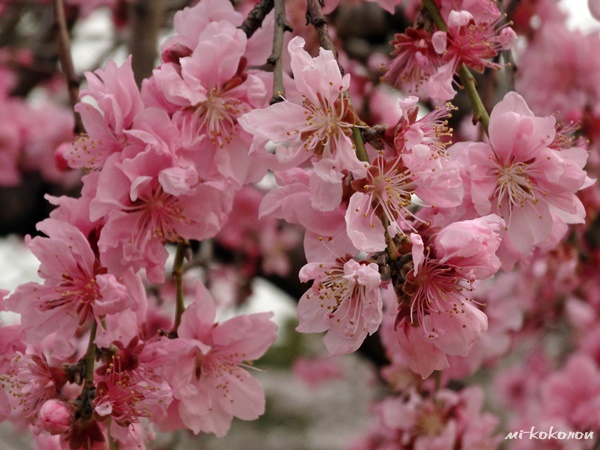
(59, 157)
(55, 416)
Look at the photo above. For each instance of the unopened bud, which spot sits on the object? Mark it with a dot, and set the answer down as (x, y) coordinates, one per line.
(55, 416)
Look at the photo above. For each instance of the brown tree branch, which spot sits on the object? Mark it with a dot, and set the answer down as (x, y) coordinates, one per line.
(63, 41)
(256, 16)
(275, 59)
(314, 16)
(146, 20)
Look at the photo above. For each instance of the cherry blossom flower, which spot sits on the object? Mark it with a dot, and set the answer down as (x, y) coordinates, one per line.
(522, 179)
(475, 40)
(125, 398)
(30, 381)
(210, 385)
(293, 201)
(344, 301)
(76, 287)
(437, 290)
(425, 62)
(206, 92)
(189, 24)
(318, 127)
(118, 99)
(148, 201)
(420, 167)
(415, 61)
(444, 420)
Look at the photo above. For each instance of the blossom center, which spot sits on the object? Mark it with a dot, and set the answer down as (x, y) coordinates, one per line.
(515, 186)
(217, 116)
(324, 122)
(436, 289)
(160, 212)
(430, 423)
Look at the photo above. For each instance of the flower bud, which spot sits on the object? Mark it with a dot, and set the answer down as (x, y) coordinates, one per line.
(55, 416)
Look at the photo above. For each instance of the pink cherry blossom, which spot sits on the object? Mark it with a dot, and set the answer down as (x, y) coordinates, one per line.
(76, 288)
(437, 291)
(293, 202)
(30, 381)
(118, 100)
(415, 61)
(210, 385)
(207, 91)
(317, 127)
(148, 201)
(344, 301)
(443, 420)
(124, 397)
(189, 24)
(521, 178)
(420, 167)
(262, 240)
(475, 40)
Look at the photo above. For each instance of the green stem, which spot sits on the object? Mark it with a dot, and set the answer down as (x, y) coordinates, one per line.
(480, 113)
(178, 275)
(432, 8)
(90, 356)
(112, 444)
(361, 151)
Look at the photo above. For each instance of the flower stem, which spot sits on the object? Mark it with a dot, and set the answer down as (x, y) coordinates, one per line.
(361, 151)
(112, 444)
(433, 10)
(90, 356)
(178, 275)
(480, 114)
(467, 80)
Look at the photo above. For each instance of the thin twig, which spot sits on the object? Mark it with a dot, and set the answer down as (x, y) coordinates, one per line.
(256, 16)
(314, 16)
(90, 356)
(275, 59)
(178, 275)
(480, 114)
(64, 49)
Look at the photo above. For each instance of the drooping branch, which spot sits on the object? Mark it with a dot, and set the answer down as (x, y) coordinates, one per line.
(256, 16)
(63, 41)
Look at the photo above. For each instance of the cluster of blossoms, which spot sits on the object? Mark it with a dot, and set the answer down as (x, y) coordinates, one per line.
(407, 234)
